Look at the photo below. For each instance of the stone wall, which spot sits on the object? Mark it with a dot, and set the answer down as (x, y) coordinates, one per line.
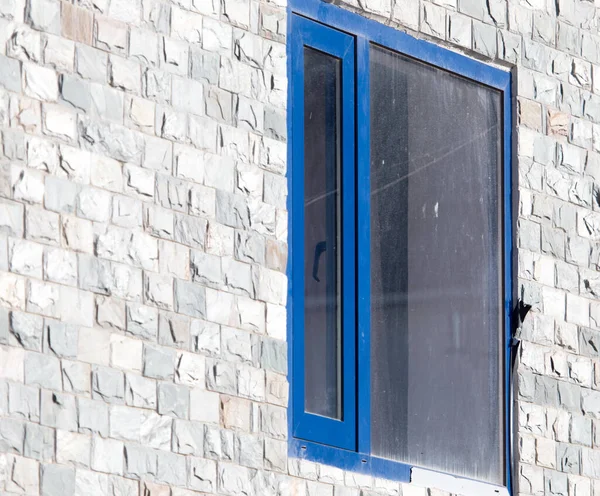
(143, 243)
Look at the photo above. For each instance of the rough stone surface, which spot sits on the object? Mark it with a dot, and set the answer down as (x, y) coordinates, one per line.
(143, 243)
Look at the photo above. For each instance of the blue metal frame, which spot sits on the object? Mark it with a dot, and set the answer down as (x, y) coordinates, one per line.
(365, 31)
(311, 427)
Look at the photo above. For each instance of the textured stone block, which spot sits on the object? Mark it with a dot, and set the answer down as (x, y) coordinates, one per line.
(58, 410)
(88, 482)
(159, 362)
(73, 448)
(188, 438)
(202, 474)
(27, 329)
(24, 476)
(107, 455)
(204, 406)
(173, 400)
(77, 23)
(140, 462)
(57, 480)
(108, 384)
(43, 371)
(24, 402)
(140, 392)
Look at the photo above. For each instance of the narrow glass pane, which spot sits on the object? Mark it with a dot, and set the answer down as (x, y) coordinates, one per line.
(436, 259)
(322, 234)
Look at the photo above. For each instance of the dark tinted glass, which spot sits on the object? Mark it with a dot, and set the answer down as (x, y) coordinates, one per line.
(436, 290)
(322, 250)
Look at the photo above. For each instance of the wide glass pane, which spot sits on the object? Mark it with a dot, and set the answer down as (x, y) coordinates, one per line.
(322, 234)
(436, 259)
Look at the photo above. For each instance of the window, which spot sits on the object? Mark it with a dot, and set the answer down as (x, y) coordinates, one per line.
(400, 253)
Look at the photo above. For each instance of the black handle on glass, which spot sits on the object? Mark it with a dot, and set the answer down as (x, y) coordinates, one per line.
(319, 249)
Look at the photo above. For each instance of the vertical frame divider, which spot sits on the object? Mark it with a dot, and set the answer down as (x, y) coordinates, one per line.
(363, 203)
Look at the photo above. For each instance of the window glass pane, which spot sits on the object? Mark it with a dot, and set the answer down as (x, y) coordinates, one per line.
(436, 260)
(322, 275)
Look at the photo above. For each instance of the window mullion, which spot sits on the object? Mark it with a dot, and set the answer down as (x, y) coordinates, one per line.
(363, 244)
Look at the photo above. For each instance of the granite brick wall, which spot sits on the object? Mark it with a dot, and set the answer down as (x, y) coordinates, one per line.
(143, 243)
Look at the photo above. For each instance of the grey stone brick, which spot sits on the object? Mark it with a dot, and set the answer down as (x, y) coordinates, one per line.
(218, 443)
(157, 85)
(88, 482)
(174, 330)
(12, 433)
(62, 339)
(275, 454)
(250, 450)
(140, 391)
(158, 290)
(118, 486)
(91, 63)
(160, 222)
(206, 337)
(142, 321)
(202, 474)
(12, 218)
(108, 384)
(190, 299)
(569, 396)
(10, 77)
(57, 480)
(190, 231)
(43, 371)
(206, 269)
(173, 400)
(274, 355)
(273, 421)
(233, 479)
(171, 468)
(24, 476)
(143, 46)
(92, 416)
(238, 276)
(76, 92)
(27, 330)
(159, 362)
(188, 438)
(75, 377)
(39, 442)
(139, 461)
(232, 210)
(42, 226)
(126, 212)
(24, 402)
(27, 185)
(58, 410)
(221, 377)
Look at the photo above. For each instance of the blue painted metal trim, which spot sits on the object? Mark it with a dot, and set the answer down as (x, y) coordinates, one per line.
(350, 460)
(394, 39)
(340, 433)
(368, 31)
(363, 163)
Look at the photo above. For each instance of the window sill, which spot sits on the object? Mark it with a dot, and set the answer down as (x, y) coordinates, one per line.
(391, 470)
(455, 485)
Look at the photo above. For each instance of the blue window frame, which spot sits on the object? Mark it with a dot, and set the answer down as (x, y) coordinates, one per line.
(344, 438)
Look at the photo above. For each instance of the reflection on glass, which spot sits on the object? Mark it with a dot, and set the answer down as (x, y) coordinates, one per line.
(436, 290)
(322, 234)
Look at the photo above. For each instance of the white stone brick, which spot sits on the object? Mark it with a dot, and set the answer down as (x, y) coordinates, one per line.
(40, 82)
